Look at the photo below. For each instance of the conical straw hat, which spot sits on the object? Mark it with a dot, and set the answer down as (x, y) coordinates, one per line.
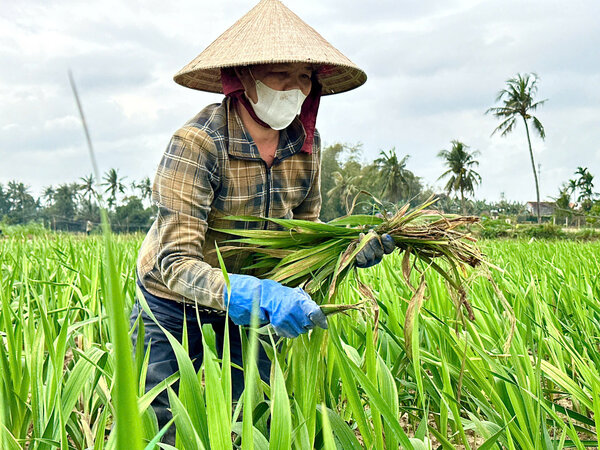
(270, 33)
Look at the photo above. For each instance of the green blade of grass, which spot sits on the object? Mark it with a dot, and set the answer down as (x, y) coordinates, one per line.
(127, 419)
(218, 412)
(328, 441)
(281, 420)
(190, 389)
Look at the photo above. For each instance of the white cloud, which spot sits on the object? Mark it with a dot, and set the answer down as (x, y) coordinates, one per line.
(65, 123)
(136, 104)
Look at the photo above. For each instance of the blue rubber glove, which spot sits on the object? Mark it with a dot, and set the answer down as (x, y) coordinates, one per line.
(290, 311)
(373, 252)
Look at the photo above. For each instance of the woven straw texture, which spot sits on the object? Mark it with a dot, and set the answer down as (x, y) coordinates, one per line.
(271, 33)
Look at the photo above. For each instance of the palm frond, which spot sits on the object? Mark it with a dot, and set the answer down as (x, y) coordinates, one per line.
(539, 127)
(506, 126)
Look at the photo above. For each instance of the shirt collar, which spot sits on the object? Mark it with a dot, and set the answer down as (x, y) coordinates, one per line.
(241, 144)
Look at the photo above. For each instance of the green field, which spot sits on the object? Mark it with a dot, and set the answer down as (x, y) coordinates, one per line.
(348, 387)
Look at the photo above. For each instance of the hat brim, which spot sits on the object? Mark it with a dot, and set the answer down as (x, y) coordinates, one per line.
(333, 78)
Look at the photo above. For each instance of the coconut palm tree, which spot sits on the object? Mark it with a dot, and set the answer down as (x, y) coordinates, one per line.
(585, 185)
(518, 102)
(144, 187)
(48, 194)
(462, 178)
(87, 188)
(571, 186)
(18, 194)
(344, 188)
(113, 185)
(394, 174)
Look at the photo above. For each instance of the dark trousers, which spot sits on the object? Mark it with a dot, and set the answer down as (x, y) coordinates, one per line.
(163, 362)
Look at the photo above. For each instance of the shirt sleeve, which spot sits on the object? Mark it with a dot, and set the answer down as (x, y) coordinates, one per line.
(183, 191)
(310, 208)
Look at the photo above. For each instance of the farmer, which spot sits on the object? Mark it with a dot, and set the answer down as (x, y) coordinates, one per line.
(257, 153)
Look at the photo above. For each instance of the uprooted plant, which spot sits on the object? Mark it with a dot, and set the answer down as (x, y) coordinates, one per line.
(318, 256)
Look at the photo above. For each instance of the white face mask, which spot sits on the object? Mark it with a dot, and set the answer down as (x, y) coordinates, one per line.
(277, 108)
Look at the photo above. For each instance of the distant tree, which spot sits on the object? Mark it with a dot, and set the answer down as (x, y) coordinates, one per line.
(22, 207)
(4, 203)
(447, 204)
(87, 187)
(368, 180)
(48, 195)
(330, 163)
(88, 210)
(394, 175)
(481, 208)
(562, 203)
(87, 192)
(342, 158)
(461, 176)
(518, 101)
(571, 187)
(132, 216)
(414, 189)
(64, 206)
(17, 194)
(345, 188)
(505, 207)
(114, 184)
(343, 176)
(586, 188)
(144, 187)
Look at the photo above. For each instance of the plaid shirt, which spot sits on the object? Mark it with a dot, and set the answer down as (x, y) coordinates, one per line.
(211, 169)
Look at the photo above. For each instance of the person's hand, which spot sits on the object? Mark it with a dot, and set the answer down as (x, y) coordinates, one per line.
(373, 252)
(290, 311)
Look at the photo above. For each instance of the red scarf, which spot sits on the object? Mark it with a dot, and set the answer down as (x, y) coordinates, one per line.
(233, 88)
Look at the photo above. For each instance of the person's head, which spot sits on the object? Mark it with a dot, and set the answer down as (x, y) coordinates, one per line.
(264, 37)
(278, 76)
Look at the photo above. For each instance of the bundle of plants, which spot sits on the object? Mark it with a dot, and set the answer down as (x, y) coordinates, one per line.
(318, 256)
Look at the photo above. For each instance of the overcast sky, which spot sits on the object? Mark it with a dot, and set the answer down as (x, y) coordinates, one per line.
(433, 68)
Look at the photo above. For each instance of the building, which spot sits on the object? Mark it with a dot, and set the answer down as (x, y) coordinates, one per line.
(546, 208)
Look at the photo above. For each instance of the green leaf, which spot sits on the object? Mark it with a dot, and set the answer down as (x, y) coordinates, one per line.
(328, 441)
(190, 390)
(218, 411)
(356, 220)
(340, 429)
(152, 444)
(186, 431)
(375, 399)
(259, 443)
(281, 420)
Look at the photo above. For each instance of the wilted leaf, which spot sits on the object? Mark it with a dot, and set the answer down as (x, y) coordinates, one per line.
(414, 307)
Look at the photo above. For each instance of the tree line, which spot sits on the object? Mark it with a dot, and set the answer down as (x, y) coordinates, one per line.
(348, 185)
(75, 206)
(385, 183)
